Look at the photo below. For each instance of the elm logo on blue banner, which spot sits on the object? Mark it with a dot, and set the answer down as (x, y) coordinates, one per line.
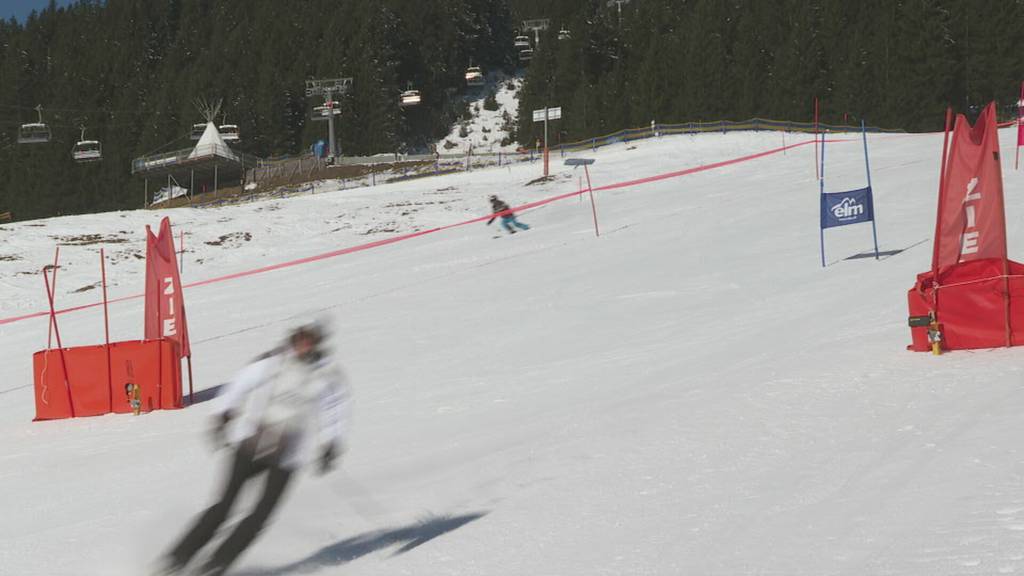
(842, 208)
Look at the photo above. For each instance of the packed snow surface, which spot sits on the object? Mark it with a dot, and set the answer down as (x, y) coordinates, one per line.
(689, 393)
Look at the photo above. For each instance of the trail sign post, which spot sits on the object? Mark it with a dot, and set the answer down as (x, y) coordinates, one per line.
(544, 115)
(586, 162)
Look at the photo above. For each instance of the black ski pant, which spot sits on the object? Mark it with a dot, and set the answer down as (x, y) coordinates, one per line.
(245, 467)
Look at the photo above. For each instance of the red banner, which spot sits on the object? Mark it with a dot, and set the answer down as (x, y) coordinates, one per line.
(971, 223)
(165, 302)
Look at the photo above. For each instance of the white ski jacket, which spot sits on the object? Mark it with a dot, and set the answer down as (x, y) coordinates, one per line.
(282, 396)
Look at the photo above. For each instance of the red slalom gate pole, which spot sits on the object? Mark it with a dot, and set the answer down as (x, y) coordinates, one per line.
(181, 244)
(106, 332)
(593, 206)
(1020, 127)
(817, 174)
(60, 347)
(942, 190)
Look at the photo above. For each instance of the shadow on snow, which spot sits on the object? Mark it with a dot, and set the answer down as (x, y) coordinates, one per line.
(349, 549)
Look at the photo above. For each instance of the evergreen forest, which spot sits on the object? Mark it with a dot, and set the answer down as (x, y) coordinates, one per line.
(130, 71)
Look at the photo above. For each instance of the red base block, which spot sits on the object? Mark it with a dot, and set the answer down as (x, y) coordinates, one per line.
(151, 364)
(972, 299)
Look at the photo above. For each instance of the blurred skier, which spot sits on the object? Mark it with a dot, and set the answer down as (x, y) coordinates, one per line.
(508, 218)
(290, 402)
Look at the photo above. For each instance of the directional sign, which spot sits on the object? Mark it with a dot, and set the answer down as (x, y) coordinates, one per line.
(553, 114)
(579, 161)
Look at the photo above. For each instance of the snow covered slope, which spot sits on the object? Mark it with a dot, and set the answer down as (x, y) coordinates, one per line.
(690, 393)
(485, 130)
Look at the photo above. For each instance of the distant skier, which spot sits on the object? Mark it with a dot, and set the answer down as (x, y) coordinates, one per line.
(501, 210)
(289, 402)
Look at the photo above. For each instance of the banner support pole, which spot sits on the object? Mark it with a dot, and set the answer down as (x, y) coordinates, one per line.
(56, 262)
(190, 401)
(938, 212)
(106, 332)
(1020, 127)
(60, 347)
(821, 188)
(942, 188)
(871, 191)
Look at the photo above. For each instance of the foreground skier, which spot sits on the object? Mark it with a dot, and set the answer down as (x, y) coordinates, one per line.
(277, 410)
(508, 218)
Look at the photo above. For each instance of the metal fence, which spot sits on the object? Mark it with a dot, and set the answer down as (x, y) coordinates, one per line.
(185, 156)
(723, 126)
(404, 167)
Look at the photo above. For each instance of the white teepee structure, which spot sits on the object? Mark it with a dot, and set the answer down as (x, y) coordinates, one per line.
(211, 143)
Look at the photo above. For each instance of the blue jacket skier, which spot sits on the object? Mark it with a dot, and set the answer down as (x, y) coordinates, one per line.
(508, 218)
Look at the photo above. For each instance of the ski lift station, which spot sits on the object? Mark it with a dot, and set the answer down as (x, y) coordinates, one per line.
(208, 166)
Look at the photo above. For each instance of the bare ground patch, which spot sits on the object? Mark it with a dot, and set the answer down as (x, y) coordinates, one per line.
(89, 239)
(232, 239)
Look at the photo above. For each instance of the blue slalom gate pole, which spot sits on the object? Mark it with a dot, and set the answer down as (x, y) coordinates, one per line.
(821, 200)
(867, 166)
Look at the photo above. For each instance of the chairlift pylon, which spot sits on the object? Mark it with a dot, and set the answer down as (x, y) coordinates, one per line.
(34, 132)
(87, 150)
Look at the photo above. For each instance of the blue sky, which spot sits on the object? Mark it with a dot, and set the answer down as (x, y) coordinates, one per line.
(20, 9)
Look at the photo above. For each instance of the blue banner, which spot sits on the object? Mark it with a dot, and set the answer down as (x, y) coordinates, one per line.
(851, 207)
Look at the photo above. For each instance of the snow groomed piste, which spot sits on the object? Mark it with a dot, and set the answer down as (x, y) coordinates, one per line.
(369, 245)
(690, 393)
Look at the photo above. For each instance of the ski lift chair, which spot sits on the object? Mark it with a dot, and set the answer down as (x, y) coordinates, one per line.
(34, 133)
(564, 34)
(197, 131)
(87, 151)
(410, 98)
(474, 77)
(522, 43)
(230, 133)
(526, 55)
